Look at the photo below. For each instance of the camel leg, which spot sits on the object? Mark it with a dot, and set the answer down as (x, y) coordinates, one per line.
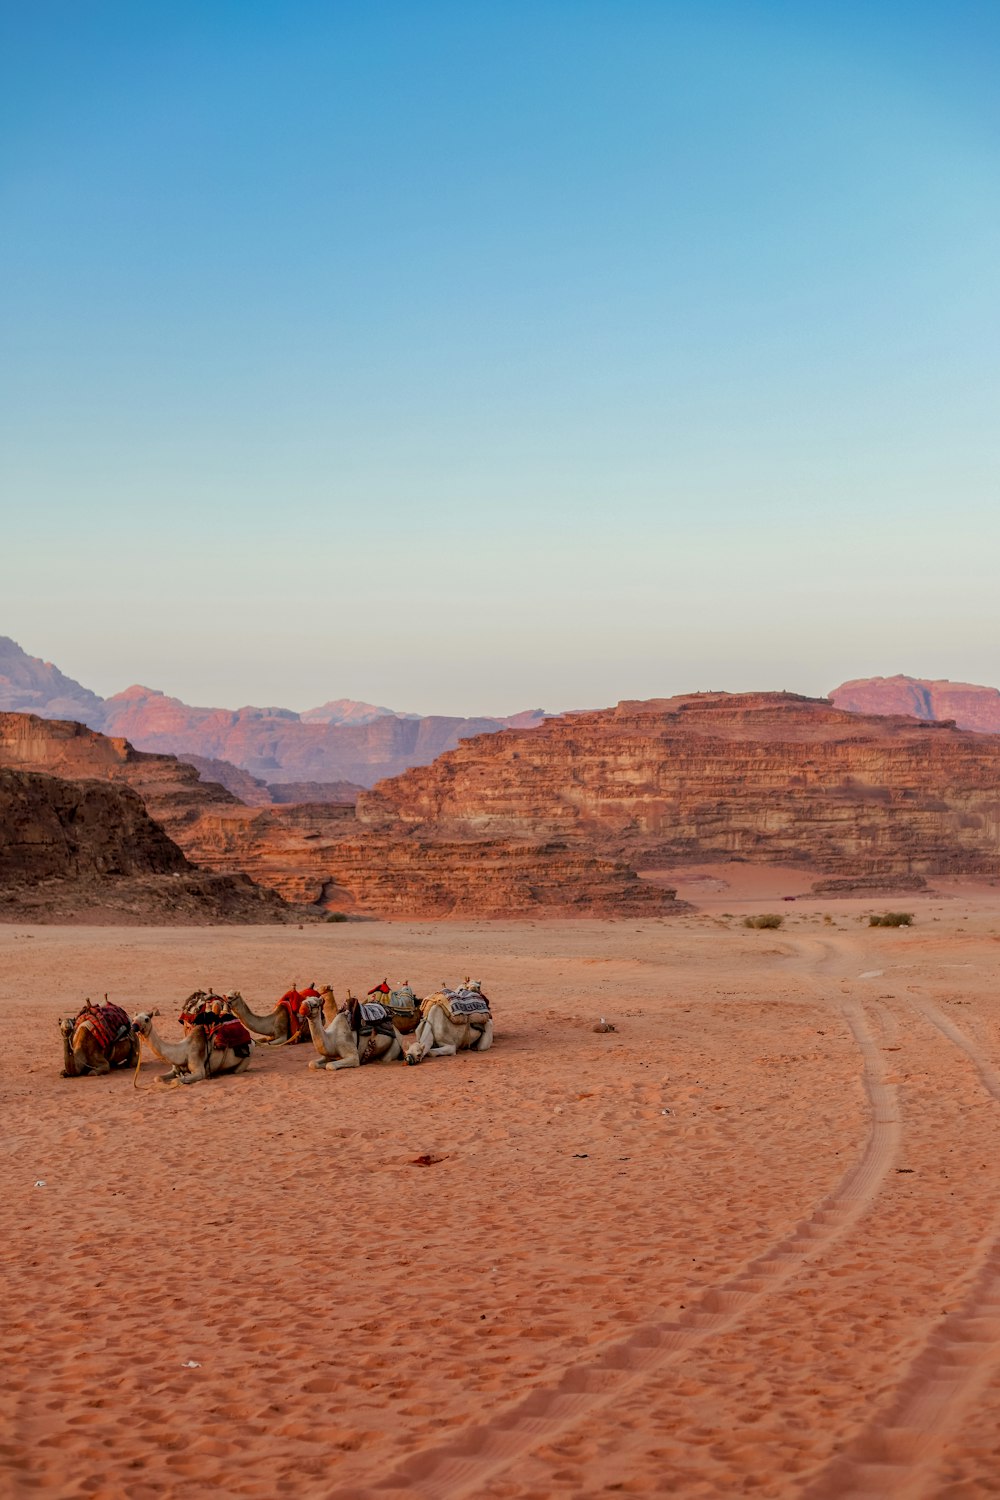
(485, 1039)
(100, 1066)
(446, 1049)
(343, 1062)
(391, 1053)
(318, 1062)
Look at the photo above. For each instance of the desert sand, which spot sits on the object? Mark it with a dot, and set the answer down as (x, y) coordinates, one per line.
(748, 1242)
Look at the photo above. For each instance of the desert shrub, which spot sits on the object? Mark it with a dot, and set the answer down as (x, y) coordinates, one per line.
(770, 919)
(891, 919)
(336, 916)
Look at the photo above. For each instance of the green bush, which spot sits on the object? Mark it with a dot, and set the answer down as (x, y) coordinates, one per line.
(892, 919)
(336, 916)
(770, 919)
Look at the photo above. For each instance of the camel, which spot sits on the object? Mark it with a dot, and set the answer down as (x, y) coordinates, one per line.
(195, 1058)
(402, 1005)
(443, 1031)
(339, 1044)
(100, 1038)
(281, 1026)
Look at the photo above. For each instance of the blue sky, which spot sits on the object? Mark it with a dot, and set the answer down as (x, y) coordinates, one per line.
(470, 357)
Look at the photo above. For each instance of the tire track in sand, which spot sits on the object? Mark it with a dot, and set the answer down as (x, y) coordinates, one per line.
(465, 1464)
(898, 1453)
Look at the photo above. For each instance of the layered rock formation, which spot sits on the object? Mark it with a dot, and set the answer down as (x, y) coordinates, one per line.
(765, 776)
(318, 853)
(970, 706)
(558, 819)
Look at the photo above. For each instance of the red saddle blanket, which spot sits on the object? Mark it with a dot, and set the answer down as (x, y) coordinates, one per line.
(107, 1022)
(229, 1034)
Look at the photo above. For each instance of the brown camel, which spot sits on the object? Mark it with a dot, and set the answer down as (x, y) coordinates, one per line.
(282, 1025)
(100, 1038)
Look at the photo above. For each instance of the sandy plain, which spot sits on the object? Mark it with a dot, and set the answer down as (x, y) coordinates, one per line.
(747, 1243)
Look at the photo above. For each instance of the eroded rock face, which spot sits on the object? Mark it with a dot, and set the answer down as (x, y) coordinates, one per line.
(767, 776)
(75, 850)
(51, 828)
(970, 706)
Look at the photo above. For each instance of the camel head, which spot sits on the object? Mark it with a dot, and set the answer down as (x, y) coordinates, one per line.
(142, 1021)
(67, 1025)
(311, 1007)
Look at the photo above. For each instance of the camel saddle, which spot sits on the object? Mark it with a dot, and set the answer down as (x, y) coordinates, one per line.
(229, 1032)
(462, 1007)
(291, 1000)
(367, 1016)
(404, 1007)
(109, 1023)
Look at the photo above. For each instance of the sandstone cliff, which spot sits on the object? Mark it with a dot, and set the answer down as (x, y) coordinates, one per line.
(970, 706)
(768, 776)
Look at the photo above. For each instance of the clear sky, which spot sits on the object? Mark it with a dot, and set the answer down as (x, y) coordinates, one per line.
(466, 357)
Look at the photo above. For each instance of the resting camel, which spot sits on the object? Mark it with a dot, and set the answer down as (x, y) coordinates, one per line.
(100, 1038)
(194, 1058)
(442, 1032)
(345, 1043)
(282, 1025)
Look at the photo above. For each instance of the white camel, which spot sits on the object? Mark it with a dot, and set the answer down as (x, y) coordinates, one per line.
(445, 1031)
(193, 1059)
(344, 1042)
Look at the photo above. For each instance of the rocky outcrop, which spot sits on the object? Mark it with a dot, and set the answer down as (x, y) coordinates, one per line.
(969, 706)
(83, 849)
(768, 776)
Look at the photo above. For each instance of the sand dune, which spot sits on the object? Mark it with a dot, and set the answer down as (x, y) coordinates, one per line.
(746, 1243)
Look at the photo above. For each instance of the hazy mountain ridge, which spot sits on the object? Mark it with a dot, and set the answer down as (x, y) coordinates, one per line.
(341, 741)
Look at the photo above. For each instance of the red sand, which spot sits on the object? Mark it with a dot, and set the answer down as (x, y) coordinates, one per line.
(746, 1243)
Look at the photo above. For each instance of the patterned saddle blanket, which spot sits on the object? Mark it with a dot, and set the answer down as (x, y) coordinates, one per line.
(461, 1006)
(109, 1023)
(369, 1015)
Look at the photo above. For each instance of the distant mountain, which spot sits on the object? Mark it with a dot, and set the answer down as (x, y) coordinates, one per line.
(971, 706)
(342, 741)
(30, 685)
(346, 711)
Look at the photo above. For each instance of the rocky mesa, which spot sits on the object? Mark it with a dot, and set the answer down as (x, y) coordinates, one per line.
(772, 777)
(968, 704)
